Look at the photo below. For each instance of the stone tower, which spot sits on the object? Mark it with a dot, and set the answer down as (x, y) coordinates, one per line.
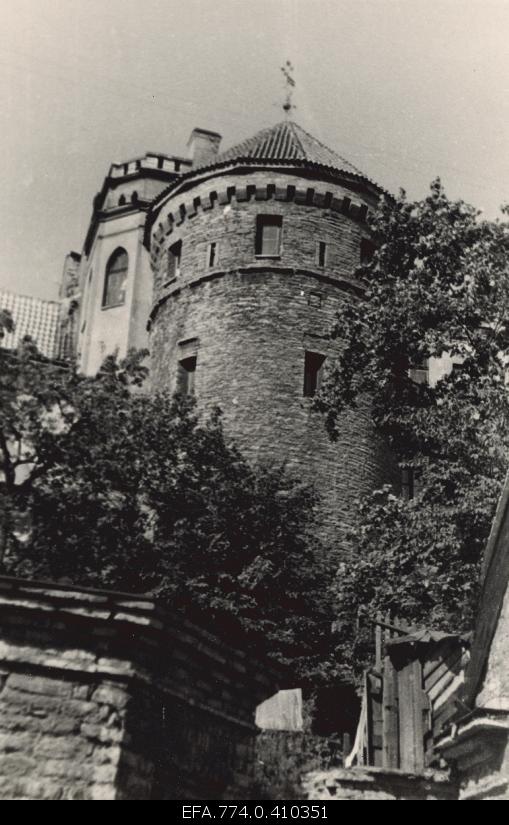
(253, 252)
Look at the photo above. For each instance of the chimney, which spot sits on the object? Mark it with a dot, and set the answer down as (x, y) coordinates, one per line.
(203, 146)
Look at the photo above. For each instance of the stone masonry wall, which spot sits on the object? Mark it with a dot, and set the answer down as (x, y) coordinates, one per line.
(224, 208)
(104, 696)
(250, 320)
(477, 752)
(377, 784)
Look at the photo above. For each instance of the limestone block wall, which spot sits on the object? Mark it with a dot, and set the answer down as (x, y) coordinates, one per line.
(368, 784)
(477, 750)
(249, 322)
(105, 696)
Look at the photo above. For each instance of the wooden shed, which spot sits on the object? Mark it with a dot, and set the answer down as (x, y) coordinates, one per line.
(408, 697)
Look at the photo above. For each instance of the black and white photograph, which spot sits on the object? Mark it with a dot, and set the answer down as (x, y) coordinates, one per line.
(254, 403)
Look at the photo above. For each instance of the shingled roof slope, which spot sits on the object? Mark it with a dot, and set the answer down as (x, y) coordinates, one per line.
(287, 141)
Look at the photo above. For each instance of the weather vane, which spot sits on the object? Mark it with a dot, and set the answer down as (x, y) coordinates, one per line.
(288, 70)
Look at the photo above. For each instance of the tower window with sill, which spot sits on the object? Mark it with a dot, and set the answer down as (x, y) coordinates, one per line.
(321, 253)
(268, 235)
(313, 373)
(410, 482)
(186, 375)
(174, 259)
(212, 254)
(367, 250)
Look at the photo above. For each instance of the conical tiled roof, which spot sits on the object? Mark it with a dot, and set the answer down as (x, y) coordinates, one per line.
(287, 141)
(282, 144)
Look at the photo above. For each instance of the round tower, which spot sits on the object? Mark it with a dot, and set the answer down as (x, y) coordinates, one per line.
(253, 253)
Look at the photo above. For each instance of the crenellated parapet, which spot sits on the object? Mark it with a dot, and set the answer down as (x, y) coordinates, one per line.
(149, 161)
(310, 196)
(224, 211)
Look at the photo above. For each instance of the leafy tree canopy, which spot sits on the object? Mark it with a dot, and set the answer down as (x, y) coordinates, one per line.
(437, 287)
(107, 486)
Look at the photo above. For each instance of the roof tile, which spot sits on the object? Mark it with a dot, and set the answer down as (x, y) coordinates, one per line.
(34, 317)
(287, 141)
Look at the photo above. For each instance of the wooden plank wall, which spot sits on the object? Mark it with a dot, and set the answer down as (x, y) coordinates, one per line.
(407, 704)
(443, 676)
(390, 716)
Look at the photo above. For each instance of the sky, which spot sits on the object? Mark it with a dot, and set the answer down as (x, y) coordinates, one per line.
(405, 89)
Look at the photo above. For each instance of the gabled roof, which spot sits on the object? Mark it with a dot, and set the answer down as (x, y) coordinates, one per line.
(287, 141)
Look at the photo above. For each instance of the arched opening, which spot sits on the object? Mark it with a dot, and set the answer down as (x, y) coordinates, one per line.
(115, 279)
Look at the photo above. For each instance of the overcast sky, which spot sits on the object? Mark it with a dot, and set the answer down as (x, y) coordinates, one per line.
(405, 89)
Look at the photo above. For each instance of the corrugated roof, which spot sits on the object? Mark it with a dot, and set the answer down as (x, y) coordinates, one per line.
(34, 317)
(287, 141)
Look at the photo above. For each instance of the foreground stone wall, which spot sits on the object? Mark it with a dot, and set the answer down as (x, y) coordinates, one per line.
(478, 752)
(365, 784)
(104, 696)
(59, 738)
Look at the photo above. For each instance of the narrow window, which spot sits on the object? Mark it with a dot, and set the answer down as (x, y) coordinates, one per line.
(212, 254)
(367, 250)
(160, 163)
(410, 482)
(321, 253)
(268, 235)
(186, 375)
(313, 371)
(115, 279)
(121, 200)
(174, 258)
(419, 373)
(134, 197)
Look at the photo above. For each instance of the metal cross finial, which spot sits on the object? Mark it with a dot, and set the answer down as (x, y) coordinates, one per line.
(288, 70)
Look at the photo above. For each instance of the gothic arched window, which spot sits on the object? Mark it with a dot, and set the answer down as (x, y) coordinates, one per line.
(115, 279)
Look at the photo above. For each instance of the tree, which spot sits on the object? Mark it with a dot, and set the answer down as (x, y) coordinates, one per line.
(437, 286)
(41, 404)
(138, 493)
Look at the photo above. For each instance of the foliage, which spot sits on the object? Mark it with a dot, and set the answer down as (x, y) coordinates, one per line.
(283, 758)
(136, 492)
(436, 287)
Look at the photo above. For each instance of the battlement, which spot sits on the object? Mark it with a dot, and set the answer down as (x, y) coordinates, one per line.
(150, 161)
